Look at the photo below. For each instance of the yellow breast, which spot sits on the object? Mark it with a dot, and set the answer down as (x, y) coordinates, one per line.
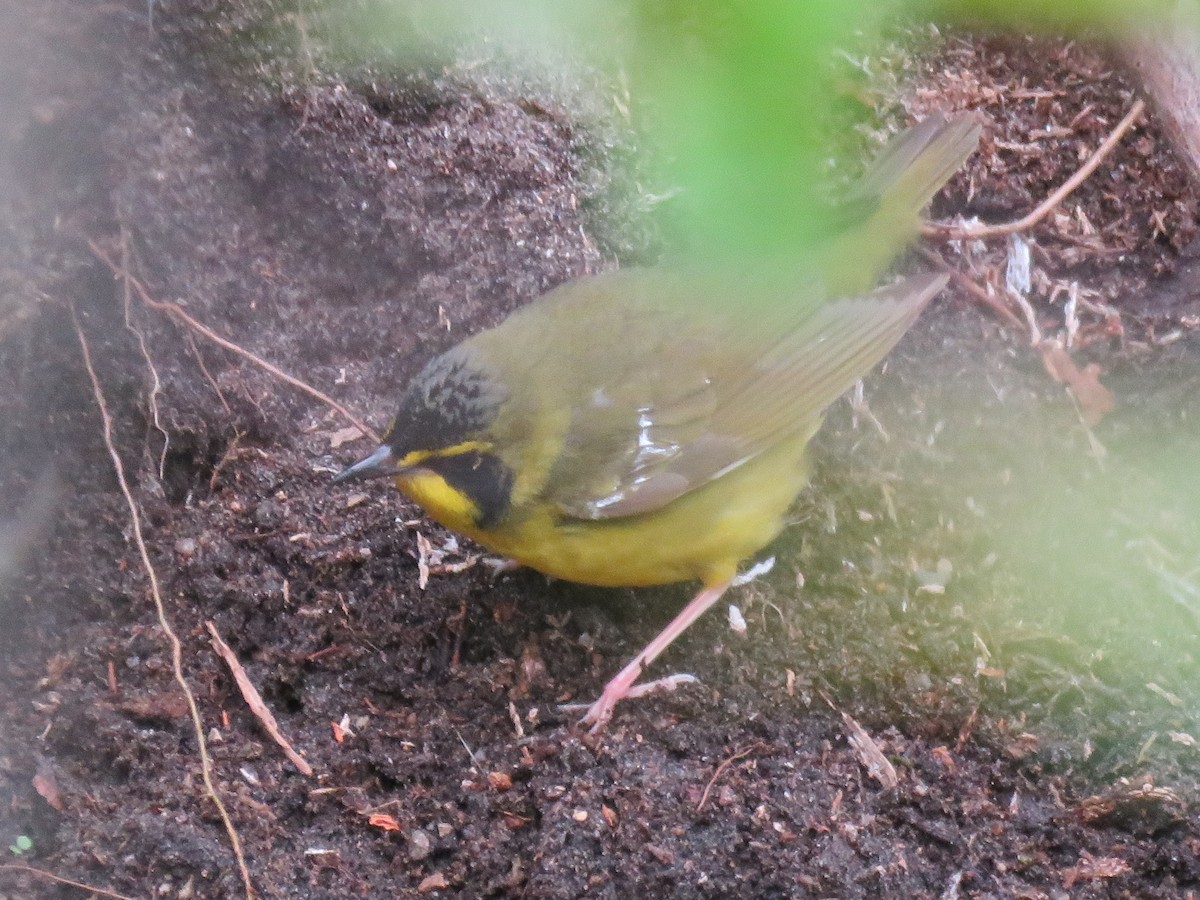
(702, 535)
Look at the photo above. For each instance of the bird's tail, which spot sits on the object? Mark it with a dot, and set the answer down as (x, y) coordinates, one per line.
(917, 162)
(889, 198)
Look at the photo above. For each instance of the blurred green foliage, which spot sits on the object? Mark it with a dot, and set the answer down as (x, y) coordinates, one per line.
(742, 100)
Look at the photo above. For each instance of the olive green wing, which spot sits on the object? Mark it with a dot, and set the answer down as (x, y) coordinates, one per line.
(704, 401)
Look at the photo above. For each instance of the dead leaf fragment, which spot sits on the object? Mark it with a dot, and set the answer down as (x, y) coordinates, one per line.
(46, 785)
(662, 854)
(610, 815)
(383, 821)
(514, 821)
(1022, 745)
(1145, 801)
(322, 857)
(424, 551)
(431, 560)
(1094, 399)
(1094, 867)
(532, 670)
(344, 436)
(944, 758)
(56, 668)
(1173, 699)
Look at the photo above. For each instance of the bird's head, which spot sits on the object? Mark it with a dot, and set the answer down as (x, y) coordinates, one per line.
(439, 447)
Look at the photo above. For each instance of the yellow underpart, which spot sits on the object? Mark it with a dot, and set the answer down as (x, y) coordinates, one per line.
(450, 506)
(702, 535)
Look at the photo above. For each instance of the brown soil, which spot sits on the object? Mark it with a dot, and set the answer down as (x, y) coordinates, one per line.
(346, 231)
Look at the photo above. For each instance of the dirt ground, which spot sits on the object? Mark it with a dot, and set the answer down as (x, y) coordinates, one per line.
(345, 229)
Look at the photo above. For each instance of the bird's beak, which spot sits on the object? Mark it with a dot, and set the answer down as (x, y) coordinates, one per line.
(379, 463)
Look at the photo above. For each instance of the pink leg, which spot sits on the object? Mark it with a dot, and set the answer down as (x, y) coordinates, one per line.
(622, 684)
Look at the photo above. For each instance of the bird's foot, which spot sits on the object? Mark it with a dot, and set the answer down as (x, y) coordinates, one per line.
(623, 684)
(499, 566)
(622, 688)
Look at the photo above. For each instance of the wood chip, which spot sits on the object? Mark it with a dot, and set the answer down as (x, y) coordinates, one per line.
(424, 551)
(164, 705)
(435, 882)
(869, 754)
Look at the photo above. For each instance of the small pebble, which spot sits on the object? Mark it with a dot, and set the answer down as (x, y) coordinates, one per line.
(420, 845)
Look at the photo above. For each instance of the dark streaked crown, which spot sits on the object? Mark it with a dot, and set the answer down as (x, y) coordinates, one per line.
(450, 402)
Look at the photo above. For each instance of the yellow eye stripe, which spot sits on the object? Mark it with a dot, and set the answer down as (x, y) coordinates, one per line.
(414, 458)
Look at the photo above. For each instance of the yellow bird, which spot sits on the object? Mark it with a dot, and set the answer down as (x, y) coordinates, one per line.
(644, 427)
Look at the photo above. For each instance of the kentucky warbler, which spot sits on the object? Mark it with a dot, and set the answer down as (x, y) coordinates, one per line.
(643, 427)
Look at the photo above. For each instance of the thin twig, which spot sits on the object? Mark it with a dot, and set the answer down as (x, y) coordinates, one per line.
(50, 876)
(160, 609)
(869, 755)
(233, 451)
(992, 302)
(177, 311)
(456, 654)
(725, 764)
(968, 233)
(208, 376)
(255, 701)
(470, 753)
(156, 383)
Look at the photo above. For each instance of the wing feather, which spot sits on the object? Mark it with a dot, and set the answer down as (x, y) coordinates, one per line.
(697, 409)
